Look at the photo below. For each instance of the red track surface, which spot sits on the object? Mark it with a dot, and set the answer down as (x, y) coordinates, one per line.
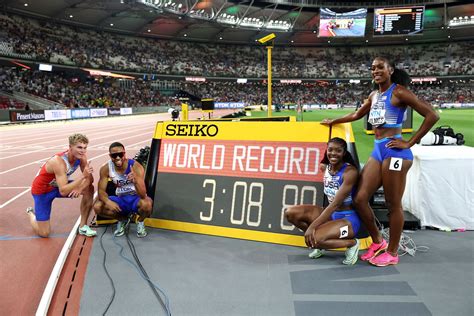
(27, 261)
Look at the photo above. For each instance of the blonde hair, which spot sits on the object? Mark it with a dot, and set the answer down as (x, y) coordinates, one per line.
(78, 138)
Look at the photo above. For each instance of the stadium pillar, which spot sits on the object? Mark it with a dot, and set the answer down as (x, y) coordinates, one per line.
(269, 81)
(184, 111)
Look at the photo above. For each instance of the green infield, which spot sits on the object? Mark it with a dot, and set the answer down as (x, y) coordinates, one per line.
(461, 120)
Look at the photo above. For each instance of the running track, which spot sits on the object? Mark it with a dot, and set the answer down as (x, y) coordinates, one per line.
(27, 261)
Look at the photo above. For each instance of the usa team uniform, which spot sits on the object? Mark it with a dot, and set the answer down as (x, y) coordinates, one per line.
(384, 115)
(126, 194)
(332, 183)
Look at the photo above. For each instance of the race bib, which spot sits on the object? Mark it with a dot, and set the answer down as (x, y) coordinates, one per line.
(344, 231)
(395, 164)
(126, 189)
(376, 117)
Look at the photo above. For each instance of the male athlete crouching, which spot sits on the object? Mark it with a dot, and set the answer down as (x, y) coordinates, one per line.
(131, 198)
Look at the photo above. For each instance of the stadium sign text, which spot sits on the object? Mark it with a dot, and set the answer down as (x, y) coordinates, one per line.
(22, 116)
(210, 130)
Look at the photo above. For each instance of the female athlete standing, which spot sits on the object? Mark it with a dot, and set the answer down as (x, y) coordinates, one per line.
(391, 158)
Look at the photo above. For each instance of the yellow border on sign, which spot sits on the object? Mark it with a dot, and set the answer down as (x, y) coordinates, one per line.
(251, 131)
(404, 130)
(238, 233)
(343, 131)
(105, 221)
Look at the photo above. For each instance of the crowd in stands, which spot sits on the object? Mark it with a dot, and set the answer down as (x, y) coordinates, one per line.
(86, 91)
(75, 92)
(256, 93)
(56, 43)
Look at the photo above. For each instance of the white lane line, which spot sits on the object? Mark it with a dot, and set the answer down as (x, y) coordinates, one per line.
(14, 198)
(34, 151)
(126, 146)
(26, 131)
(27, 138)
(19, 167)
(93, 158)
(56, 272)
(22, 130)
(39, 160)
(13, 188)
(48, 292)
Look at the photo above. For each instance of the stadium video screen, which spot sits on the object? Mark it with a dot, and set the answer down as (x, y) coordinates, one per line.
(399, 21)
(342, 23)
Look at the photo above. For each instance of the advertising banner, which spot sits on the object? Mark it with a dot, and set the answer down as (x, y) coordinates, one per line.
(229, 105)
(98, 112)
(80, 113)
(51, 115)
(125, 111)
(114, 111)
(24, 116)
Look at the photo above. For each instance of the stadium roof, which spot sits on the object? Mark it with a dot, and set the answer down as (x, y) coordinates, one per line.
(295, 22)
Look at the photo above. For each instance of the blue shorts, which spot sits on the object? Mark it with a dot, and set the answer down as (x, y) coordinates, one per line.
(43, 204)
(351, 216)
(128, 203)
(380, 152)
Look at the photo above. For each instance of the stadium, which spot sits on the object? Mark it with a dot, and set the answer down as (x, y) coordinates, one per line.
(226, 111)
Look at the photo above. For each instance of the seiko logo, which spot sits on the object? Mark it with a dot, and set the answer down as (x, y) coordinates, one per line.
(210, 130)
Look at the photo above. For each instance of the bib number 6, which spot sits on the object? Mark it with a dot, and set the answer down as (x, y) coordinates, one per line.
(395, 164)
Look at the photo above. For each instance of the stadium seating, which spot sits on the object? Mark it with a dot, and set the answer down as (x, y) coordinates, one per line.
(41, 41)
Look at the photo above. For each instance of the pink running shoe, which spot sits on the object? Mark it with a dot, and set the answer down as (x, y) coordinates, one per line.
(384, 260)
(373, 250)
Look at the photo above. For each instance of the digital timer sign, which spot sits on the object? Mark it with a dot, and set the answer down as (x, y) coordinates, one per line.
(236, 179)
(399, 21)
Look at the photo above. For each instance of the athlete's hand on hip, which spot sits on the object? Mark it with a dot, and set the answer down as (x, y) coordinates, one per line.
(327, 122)
(398, 143)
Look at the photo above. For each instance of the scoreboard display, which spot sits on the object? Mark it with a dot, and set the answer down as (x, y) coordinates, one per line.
(399, 21)
(236, 179)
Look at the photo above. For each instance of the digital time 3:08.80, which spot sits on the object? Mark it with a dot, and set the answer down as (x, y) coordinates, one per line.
(246, 203)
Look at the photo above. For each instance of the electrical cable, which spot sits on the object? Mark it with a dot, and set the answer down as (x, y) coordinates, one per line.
(406, 245)
(107, 272)
(141, 271)
(147, 278)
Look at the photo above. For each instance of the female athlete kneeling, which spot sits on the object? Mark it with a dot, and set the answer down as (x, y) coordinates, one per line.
(336, 225)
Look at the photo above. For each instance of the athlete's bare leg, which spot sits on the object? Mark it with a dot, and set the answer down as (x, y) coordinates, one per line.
(303, 215)
(394, 186)
(327, 236)
(86, 204)
(144, 208)
(370, 180)
(42, 228)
